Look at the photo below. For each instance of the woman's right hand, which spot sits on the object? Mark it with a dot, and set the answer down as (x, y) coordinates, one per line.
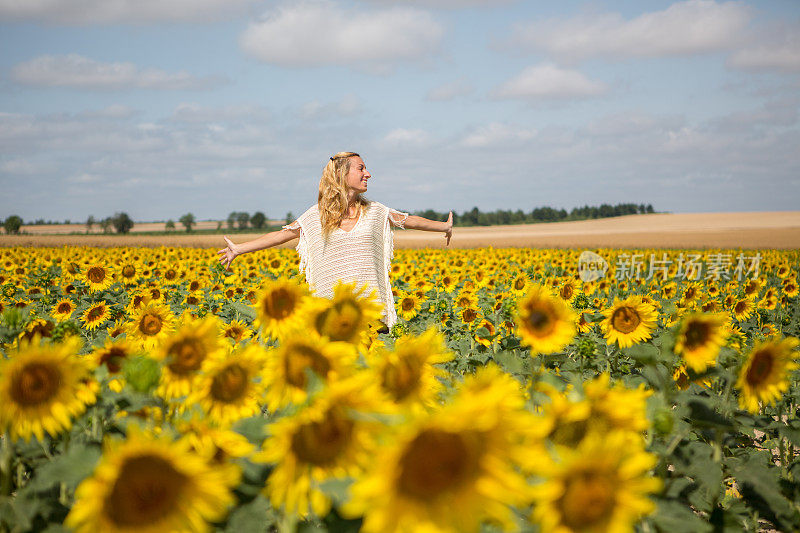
(227, 255)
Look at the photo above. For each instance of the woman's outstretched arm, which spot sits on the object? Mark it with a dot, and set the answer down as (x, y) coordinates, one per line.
(425, 224)
(232, 251)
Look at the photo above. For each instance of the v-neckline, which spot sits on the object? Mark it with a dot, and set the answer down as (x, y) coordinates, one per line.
(360, 214)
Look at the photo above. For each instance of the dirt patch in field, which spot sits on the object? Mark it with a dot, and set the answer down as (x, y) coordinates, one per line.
(778, 229)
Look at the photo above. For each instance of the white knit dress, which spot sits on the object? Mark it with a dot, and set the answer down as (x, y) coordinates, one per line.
(362, 254)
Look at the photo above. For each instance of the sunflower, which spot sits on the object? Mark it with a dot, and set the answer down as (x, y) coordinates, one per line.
(407, 375)
(150, 324)
(279, 307)
(743, 309)
(63, 309)
(95, 315)
(485, 339)
(129, 274)
(184, 353)
(236, 330)
(43, 386)
(449, 470)
(97, 277)
(347, 315)
(150, 484)
(333, 436)
(764, 376)
(286, 374)
(231, 386)
(629, 321)
(567, 291)
(466, 298)
(699, 339)
(602, 485)
(519, 284)
(545, 322)
(790, 288)
(112, 354)
(469, 315)
(37, 327)
(682, 380)
(408, 305)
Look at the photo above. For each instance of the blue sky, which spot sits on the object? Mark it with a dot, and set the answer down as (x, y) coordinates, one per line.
(163, 107)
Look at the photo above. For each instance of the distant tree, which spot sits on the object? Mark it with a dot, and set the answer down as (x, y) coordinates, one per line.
(243, 219)
(12, 224)
(89, 223)
(170, 225)
(650, 208)
(105, 224)
(258, 220)
(68, 222)
(232, 219)
(188, 221)
(219, 225)
(122, 222)
(289, 217)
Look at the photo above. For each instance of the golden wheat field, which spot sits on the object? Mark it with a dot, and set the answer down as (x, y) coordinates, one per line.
(526, 389)
(779, 230)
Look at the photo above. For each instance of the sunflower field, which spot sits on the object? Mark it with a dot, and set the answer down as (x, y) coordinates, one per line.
(148, 389)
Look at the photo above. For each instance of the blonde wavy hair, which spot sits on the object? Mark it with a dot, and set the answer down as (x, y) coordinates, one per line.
(332, 199)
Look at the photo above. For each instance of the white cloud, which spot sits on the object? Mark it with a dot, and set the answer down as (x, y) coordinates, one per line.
(349, 105)
(84, 12)
(322, 33)
(497, 133)
(449, 91)
(81, 72)
(777, 49)
(684, 28)
(547, 81)
(408, 138)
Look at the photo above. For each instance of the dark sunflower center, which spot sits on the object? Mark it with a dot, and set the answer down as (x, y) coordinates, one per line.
(35, 384)
(275, 263)
(341, 321)
(320, 443)
(186, 356)
(301, 357)
(148, 489)
(540, 321)
(96, 274)
(192, 300)
(569, 433)
(95, 313)
(170, 274)
(588, 500)
(760, 368)
(697, 334)
(64, 307)
(408, 304)
(469, 315)
(234, 332)
(112, 358)
(566, 292)
(625, 319)
(194, 285)
(155, 293)
(150, 324)
(401, 379)
(128, 271)
(230, 384)
(741, 307)
(519, 284)
(279, 303)
(437, 461)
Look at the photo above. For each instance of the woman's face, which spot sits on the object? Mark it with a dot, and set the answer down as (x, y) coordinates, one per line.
(358, 175)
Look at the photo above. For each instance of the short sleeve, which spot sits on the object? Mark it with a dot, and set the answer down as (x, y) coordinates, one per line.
(398, 218)
(293, 226)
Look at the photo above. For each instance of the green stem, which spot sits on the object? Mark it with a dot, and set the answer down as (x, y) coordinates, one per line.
(6, 456)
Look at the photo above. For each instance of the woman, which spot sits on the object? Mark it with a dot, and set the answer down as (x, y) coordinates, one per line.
(344, 237)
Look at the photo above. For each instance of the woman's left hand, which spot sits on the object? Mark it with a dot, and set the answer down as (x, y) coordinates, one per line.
(449, 231)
